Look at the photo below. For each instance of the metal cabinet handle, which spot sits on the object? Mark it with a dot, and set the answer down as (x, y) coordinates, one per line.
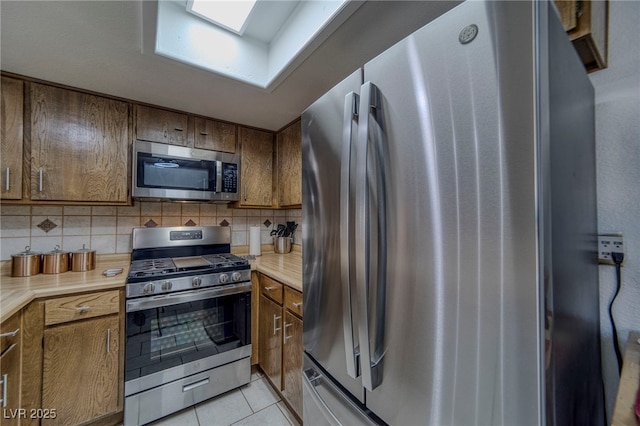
(108, 340)
(297, 304)
(203, 382)
(204, 133)
(177, 129)
(270, 288)
(286, 325)
(275, 319)
(4, 381)
(245, 192)
(82, 309)
(6, 179)
(39, 180)
(10, 333)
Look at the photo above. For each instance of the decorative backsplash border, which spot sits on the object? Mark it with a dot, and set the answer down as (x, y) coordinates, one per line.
(107, 229)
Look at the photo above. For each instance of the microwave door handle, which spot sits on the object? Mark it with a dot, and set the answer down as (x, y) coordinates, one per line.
(218, 176)
(370, 235)
(347, 188)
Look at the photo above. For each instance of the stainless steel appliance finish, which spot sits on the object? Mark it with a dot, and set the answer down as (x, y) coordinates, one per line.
(465, 216)
(188, 328)
(179, 173)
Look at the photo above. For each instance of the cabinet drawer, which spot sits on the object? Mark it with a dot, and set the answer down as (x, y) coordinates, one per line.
(271, 288)
(293, 301)
(10, 331)
(71, 308)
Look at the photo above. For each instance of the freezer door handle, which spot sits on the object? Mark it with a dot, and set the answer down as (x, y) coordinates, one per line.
(371, 234)
(347, 194)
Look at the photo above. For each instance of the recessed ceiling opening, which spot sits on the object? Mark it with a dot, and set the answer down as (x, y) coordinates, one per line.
(231, 15)
(262, 49)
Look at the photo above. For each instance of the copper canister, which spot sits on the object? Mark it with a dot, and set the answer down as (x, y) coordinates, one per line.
(55, 261)
(83, 260)
(25, 263)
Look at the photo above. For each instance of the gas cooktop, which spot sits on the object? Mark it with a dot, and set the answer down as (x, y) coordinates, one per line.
(149, 269)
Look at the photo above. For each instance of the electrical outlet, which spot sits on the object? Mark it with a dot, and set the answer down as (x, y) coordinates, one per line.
(608, 243)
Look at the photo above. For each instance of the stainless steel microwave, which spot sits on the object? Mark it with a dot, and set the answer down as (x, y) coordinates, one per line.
(180, 173)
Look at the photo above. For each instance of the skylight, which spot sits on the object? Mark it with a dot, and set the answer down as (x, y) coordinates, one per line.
(229, 14)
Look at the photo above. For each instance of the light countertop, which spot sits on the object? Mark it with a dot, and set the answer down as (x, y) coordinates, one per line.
(17, 292)
(624, 413)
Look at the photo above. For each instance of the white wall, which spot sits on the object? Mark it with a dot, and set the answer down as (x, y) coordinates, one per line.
(617, 91)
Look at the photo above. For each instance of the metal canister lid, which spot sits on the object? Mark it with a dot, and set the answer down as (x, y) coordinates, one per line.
(84, 249)
(56, 250)
(27, 252)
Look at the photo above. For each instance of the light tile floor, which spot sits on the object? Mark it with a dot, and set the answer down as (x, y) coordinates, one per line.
(253, 404)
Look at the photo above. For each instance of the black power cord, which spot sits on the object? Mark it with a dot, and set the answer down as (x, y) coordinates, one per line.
(617, 259)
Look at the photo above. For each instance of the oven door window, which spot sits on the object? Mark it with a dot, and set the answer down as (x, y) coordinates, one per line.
(170, 336)
(173, 173)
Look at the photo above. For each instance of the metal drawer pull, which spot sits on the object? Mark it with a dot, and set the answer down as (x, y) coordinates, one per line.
(286, 325)
(204, 133)
(108, 340)
(40, 180)
(270, 288)
(82, 309)
(3, 401)
(187, 388)
(6, 180)
(178, 129)
(275, 319)
(11, 333)
(297, 304)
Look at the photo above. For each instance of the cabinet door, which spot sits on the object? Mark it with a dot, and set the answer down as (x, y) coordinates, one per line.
(159, 125)
(256, 168)
(79, 146)
(80, 370)
(289, 166)
(271, 340)
(292, 361)
(10, 366)
(12, 132)
(215, 135)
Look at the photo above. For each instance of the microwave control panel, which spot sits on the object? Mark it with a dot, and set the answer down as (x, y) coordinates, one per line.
(229, 177)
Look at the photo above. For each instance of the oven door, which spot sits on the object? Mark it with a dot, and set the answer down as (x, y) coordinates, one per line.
(169, 337)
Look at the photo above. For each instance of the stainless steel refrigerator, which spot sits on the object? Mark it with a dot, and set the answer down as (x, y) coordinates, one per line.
(449, 234)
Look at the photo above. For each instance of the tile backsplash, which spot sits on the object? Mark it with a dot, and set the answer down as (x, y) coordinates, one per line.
(107, 229)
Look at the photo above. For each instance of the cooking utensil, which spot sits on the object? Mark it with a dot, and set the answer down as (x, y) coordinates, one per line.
(25, 263)
(282, 244)
(83, 259)
(55, 262)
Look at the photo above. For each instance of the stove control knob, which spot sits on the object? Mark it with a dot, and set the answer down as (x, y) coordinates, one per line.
(196, 282)
(224, 278)
(166, 286)
(148, 288)
(236, 276)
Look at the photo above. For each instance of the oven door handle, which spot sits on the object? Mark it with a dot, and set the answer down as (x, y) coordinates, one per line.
(186, 296)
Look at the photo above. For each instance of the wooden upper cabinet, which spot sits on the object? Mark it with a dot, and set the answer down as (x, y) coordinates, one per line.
(256, 163)
(159, 125)
(79, 146)
(289, 166)
(215, 135)
(587, 24)
(12, 133)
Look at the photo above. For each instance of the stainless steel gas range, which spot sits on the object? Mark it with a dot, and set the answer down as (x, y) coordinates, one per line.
(188, 328)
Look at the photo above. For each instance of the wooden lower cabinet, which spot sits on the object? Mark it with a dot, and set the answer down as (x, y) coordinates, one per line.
(271, 340)
(292, 361)
(80, 370)
(280, 340)
(10, 367)
(73, 360)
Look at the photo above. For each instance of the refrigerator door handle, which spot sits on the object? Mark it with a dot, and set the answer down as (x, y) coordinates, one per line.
(347, 189)
(370, 234)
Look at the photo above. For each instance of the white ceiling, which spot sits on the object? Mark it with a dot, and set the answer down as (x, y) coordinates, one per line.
(97, 45)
